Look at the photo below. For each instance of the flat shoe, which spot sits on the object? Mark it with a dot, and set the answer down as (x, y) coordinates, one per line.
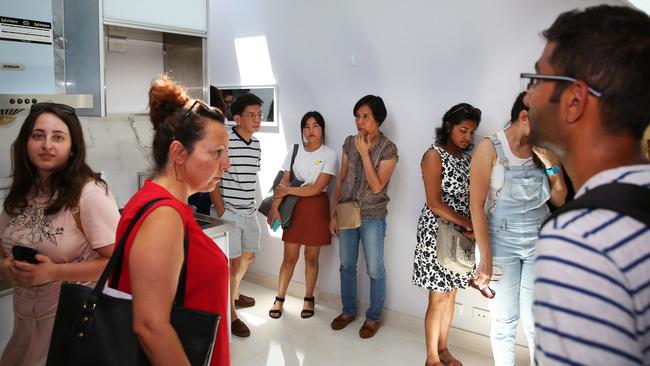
(367, 330)
(308, 313)
(244, 301)
(276, 314)
(238, 328)
(342, 321)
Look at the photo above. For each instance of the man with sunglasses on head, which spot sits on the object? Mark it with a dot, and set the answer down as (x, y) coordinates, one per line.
(235, 199)
(590, 103)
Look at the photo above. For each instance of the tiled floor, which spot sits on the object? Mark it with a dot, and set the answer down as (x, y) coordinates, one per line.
(293, 341)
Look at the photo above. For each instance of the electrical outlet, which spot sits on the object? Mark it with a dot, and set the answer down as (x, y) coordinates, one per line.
(117, 44)
(478, 313)
(458, 310)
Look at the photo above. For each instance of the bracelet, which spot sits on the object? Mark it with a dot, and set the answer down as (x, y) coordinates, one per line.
(553, 170)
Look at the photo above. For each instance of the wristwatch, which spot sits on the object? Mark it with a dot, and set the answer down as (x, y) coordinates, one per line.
(553, 170)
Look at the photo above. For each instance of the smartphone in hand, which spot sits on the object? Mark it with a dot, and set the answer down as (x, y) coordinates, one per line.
(276, 225)
(24, 254)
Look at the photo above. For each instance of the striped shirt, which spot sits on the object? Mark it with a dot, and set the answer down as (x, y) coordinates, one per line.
(239, 182)
(592, 283)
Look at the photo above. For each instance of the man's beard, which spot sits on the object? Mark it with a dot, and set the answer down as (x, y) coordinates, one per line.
(545, 132)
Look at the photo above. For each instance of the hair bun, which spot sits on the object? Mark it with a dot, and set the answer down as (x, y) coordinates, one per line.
(165, 97)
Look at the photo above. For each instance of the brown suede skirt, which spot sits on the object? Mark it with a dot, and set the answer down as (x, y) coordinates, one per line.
(310, 221)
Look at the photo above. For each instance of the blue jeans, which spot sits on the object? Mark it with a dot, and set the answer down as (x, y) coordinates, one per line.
(372, 233)
(513, 252)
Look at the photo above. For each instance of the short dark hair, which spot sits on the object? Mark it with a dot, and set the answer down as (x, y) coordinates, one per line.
(608, 47)
(237, 107)
(455, 115)
(65, 184)
(518, 106)
(317, 117)
(376, 105)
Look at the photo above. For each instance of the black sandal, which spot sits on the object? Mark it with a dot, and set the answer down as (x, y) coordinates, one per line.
(276, 314)
(306, 313)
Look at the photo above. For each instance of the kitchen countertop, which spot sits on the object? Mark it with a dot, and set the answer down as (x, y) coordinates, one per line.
(216, 226)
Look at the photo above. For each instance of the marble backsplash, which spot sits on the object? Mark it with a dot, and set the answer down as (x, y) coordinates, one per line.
(119, 146)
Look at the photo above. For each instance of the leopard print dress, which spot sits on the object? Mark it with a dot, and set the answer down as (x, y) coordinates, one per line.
(427, 272)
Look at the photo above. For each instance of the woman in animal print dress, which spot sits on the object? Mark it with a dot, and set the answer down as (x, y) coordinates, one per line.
(445, 172)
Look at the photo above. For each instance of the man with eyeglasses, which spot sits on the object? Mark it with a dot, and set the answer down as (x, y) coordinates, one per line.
(590, 103)
(235, 199)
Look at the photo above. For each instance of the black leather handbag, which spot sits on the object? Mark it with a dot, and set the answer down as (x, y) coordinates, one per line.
(289, 201)
(93, 328)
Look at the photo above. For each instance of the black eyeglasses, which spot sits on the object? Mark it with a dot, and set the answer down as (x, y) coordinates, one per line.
(535, 78)
(37, 107)
(473, 111)
(204, 110)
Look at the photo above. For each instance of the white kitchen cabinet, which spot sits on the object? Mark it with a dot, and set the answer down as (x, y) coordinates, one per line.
(172, 16)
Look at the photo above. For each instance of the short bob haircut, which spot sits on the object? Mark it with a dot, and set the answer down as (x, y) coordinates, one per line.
(455, 115)
(376, 105)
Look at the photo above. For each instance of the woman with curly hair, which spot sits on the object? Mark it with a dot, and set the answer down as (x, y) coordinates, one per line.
(445, 172)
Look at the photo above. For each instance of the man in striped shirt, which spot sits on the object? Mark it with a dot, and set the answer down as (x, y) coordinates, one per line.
(235, 199)
(590, 103)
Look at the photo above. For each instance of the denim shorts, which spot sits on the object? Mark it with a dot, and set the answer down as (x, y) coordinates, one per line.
(245, 237)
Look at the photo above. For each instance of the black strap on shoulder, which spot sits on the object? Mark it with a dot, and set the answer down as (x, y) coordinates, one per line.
(293, 159)
(625, 198)
(114, 264)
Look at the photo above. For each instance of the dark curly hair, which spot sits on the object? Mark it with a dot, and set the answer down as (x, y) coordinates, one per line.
(455, 115)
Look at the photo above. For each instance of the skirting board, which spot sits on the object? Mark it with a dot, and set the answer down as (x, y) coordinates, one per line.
(470, 341)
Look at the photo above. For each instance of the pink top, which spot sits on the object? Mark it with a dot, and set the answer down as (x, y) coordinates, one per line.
(58, 237)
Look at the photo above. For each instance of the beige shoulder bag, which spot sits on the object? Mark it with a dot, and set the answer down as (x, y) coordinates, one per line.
(348, 214)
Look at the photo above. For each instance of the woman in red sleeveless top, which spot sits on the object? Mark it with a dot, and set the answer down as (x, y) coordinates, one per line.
(190, 151)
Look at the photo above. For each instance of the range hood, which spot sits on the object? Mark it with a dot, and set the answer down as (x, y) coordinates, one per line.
(12, 104)
(40, 59)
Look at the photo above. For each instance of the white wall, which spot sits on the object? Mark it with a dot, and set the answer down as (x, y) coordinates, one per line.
(421, 56)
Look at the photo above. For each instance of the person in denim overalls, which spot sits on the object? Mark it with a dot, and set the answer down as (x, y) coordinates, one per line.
(508, 195)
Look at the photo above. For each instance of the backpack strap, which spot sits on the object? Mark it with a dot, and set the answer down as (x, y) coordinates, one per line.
(625, 198)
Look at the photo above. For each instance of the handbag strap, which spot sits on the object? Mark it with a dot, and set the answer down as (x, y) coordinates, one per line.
(293, 159)
(114, 264)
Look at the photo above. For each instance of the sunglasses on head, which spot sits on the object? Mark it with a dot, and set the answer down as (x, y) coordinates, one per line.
(37, 107)
(204, 110)
(468, 110)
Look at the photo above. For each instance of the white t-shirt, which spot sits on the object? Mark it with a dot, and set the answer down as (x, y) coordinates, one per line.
(309, 165)
(498, 173)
